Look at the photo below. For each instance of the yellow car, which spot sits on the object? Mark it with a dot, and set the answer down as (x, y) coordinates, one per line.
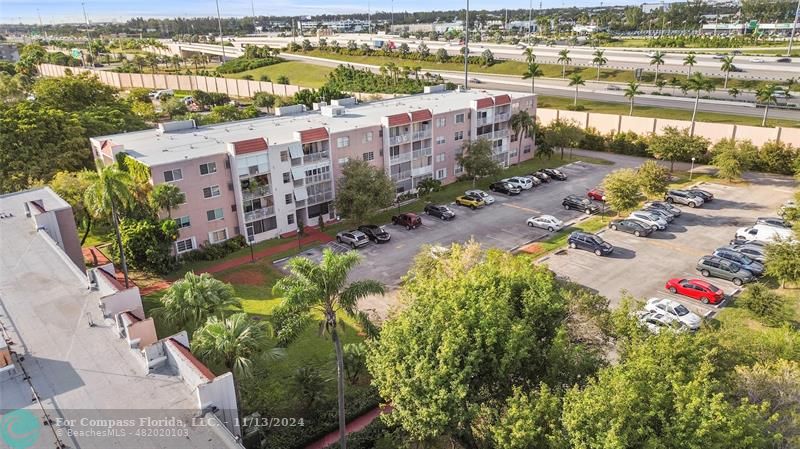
(470, 201)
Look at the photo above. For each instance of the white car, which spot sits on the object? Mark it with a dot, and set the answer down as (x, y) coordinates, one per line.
(488, 199)
(757, 60)
(650, 219)
(763, 233)
(519, 181)
(675, 310)
(548, 222)
(655, 322)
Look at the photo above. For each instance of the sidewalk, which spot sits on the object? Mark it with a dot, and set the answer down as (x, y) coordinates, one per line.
(353, 426)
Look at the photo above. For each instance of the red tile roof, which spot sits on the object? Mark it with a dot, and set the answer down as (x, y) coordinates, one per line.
(192, 359)
(399, 119)
(313, 135)
(113, 279)
(105, 148)
(502, 99)
(484, 103)
(250, 145)
(421, 115)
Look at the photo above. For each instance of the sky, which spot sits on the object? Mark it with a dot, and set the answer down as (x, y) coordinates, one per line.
(58, 11)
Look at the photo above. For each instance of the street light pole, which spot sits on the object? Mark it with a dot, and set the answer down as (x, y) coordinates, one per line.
(253, 9)
(691, 170)
(466, 48)
(794, 27)
(219, 22)
(530, 19)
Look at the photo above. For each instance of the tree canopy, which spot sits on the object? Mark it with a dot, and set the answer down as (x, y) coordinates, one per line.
(675, 144)
(362, 190)
(477, 160)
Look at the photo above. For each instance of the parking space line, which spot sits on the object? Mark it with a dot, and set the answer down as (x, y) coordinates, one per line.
(671, 246)
(515, 206)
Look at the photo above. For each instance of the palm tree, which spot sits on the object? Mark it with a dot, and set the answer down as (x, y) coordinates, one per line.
(599, 60)
(657, 58)
(576, 80)
(698, 83)
(766, 95)
(727, 67)
(152, 61)
(109, 192)
(660, 85)
(734, 92)
(631, 92)
(140, 62)
(190, 301)
(564, 59)
(322, 288)
(166, 196)
(235, 341)
(416, 69)
(533, 71)
(522, 125)
(690, 60)
(529, 56)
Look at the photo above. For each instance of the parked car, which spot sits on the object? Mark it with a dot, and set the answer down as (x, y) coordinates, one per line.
(555, 173)
(664, 205)
(675, 310)
(589, 242)
(470, 201)
(712, 266)
(635, 227)
(520, 182)
(762, 233)
(661, 213)
(705, 292)
(784, 60)
(773, 221)
(596, 194)
(548, 222)
(439, 211)
(576, 202)
(541, 176)
(649, 218)
(504, 187)
(704, 194)
(375, 233)
(757, 268)
(488, 199)
(755, 252)
(354, 238)
(655, 322)
(536, 181)
(683, 197)
(408, 219)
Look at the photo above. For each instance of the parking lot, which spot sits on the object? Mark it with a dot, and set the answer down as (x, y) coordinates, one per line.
(641, 266)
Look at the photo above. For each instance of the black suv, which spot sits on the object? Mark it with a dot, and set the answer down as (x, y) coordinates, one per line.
(439, 211)
(580, 203)
(589, 242)
(555, 174)
(375, 233)
(504, 187)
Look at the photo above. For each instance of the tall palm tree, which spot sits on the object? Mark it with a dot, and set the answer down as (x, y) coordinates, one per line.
(698, 83)
(235, 341)
(522, 125)
(727, 67)
(576, 80)
(166, 196)
(416, 69)
(657, 59)
(734, 92)
(564, 59)
(152, 61)
(322, 288)
(140, 62)
(533, 71)
(631, 92)
(766, 95)
(190, 301)
(690, 60)
(599, 60)
(529, 56)
(108, 193)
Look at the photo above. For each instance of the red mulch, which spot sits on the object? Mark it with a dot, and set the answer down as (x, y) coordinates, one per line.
(251, 276)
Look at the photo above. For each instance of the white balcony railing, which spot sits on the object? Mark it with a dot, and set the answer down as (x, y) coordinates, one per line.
(501, 133)
(399, 158)
(314, 157)
(420, 171)
(248, 194)
(397, 140)
(482, 121)
(502, 117)
(421, 135)
(422, 152)
(319, 198)
(259, 213)
(315, 179)
(401, 176)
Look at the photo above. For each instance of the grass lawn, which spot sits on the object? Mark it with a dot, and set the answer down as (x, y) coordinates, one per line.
(299, 73)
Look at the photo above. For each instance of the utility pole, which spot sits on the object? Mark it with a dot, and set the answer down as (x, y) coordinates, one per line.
(392, 27)
(466, 48)
(369, 20)
(794, 27)
(530, 19)
(40, 23)
(253, 9)
(219, 22)
(86, 19)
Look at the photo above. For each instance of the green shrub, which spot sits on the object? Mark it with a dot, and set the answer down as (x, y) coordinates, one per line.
(242, 64)
(768, 305)
(628, 143)
(593, 141)
(214, 251)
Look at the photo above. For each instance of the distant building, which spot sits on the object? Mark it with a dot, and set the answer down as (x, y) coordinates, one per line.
(649, 8)
(438, 27)
(586, 29)
(524, 25)
(9, 52)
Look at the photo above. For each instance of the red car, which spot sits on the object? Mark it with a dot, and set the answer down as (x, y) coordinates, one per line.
(408, 219)
(696, 289)
(597, 195)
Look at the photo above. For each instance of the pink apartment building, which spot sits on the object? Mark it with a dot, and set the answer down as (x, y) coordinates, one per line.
(260, 177)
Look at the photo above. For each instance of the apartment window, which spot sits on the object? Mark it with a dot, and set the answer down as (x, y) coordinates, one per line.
(526, 149)
(183, 222)
(459, 118)
(367, 137)
(208, 168)
(457, 169)
(368, 156)
(181, 246)
(394, 151)
(459, 135)
(218, 236)
(441, 173)
(343, 160)
(214, 214)
(284, 156)
(287, 178)
(343, 142)
(441, 157)
(173, 175)
(290, 218)
(440, 140)
(441, 122)
(513, 137)
(263, 225)
(252, 165)
(497, 143)
(288, 198)
(211, 192)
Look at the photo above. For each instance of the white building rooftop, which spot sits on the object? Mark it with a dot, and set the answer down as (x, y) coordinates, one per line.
(153, 147)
